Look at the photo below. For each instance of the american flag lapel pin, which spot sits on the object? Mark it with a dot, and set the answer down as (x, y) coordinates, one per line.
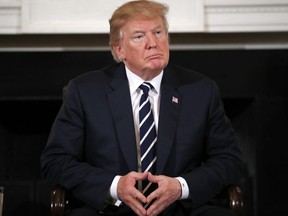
(175, 100)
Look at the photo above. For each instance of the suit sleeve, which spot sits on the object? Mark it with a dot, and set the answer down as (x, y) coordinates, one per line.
(63, 162)
(222, 164)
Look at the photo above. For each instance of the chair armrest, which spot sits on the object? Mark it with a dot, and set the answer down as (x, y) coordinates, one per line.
(58, 202)
(230, 197)
(235, 198)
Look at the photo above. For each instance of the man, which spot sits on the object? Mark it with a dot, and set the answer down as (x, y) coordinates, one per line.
(95, 146)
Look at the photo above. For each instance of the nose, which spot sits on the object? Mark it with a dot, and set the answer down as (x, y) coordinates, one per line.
(151, 41)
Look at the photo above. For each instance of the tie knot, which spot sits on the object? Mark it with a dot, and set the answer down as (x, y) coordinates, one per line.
(146, 87)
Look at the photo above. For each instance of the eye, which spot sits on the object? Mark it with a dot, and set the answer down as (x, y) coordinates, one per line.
(138, 37)
(158, 33)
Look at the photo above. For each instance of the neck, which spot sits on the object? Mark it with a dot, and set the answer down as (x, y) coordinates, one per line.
(146, 74)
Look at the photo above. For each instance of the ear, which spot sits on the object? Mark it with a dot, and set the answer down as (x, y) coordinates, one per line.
(119, 51)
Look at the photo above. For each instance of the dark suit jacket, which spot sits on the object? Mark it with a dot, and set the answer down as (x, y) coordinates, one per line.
(93, 137)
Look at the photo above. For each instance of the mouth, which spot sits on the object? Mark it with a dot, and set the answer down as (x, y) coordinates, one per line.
(154, 56)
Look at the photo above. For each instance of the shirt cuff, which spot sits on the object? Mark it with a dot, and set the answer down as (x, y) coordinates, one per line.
(113, 190)
(185, 188)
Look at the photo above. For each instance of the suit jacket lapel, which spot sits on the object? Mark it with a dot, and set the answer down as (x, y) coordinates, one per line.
(168, 117)
(121, 109)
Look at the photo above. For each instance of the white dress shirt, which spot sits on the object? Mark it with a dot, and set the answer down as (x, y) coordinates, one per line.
(154, 97)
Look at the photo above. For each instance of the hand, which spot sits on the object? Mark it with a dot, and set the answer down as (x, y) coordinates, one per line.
(127, 192)
(169, 190)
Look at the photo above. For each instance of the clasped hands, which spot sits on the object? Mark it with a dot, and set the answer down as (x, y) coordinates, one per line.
(168, 191)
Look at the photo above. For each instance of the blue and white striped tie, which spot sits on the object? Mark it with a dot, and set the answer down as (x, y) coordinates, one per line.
(148, 136)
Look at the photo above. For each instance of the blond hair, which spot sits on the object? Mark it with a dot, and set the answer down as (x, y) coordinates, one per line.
(134, 10)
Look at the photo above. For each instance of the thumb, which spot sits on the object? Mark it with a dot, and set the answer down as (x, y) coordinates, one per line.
(152, 178)
(140, 176)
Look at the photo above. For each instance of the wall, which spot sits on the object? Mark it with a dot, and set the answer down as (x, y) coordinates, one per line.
(91, 16)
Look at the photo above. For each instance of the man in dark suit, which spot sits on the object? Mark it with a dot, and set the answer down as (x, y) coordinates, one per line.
(95, 145)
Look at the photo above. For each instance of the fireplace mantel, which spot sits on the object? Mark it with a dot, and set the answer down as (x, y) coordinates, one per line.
(204, 16)
(206, 24)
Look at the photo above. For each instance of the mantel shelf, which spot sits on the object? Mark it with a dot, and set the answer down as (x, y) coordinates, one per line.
(185, 16)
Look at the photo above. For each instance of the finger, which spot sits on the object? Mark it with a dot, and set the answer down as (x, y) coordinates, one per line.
(139, 209)
(156, 207)
(140, 197)
(136, 204)
(156, 194)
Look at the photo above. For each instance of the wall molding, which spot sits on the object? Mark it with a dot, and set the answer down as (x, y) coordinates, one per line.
(92, 16)
(246, 15)
(10, 16)
(204, 16)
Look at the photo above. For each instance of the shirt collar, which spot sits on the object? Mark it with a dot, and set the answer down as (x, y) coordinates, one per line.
(135, 81)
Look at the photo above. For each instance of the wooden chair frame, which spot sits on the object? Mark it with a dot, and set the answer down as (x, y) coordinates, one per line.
(60, 202)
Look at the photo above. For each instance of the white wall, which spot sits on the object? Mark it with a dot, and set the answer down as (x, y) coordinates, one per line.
(185, 16)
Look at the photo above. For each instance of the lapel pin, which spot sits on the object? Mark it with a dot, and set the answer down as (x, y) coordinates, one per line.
(175, 100)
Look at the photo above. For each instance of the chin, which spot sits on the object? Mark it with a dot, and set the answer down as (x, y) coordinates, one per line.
(157, 65)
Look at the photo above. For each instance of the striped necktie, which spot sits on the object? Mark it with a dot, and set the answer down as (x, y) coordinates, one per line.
(148, 136)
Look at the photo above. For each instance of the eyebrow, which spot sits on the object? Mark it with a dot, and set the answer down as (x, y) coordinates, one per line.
(141, 31)
(158, 27)
(137, 31)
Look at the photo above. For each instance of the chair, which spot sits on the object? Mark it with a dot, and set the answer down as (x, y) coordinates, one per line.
(1, 199)
(230, 197)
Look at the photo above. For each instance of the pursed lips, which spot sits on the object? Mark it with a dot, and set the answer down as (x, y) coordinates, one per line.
(154, 56)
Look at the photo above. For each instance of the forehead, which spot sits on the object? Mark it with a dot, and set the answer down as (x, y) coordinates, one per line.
(146, 24)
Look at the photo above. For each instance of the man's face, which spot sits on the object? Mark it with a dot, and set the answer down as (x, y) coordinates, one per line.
(144, 47)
